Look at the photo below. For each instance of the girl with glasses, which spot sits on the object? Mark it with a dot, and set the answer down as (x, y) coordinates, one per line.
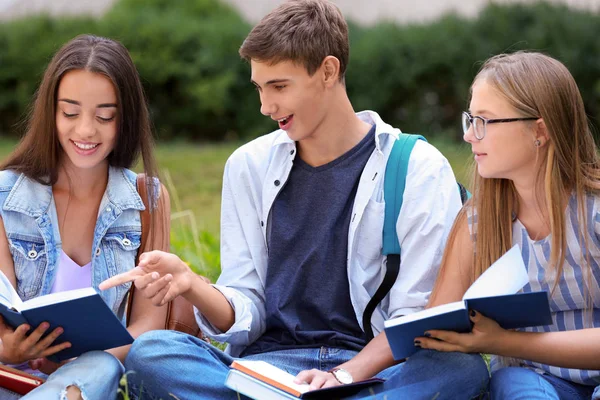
(537, 184)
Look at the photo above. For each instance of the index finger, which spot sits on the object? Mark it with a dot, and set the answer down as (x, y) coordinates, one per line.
(122, 278)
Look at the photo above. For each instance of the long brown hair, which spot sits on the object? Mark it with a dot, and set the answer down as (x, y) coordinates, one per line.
(538, 86)
(38, 154)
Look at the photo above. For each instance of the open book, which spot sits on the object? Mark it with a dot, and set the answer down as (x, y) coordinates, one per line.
(493, 294)
(18, 381)
(88, 323)
(260, 380)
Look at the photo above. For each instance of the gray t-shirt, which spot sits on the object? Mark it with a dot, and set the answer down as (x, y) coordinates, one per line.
(307, 291)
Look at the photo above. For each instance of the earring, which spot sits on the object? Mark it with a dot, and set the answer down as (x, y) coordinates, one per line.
(537, 143)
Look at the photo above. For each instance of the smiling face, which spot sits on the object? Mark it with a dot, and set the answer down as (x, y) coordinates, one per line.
(86, 118)
(508, 150)
(290, 96)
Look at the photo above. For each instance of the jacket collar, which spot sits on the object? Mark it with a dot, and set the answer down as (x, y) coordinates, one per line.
(33, 199)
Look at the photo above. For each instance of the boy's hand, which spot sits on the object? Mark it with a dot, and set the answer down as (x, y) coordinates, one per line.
(17, 347)
(317, 379)
(160, 276)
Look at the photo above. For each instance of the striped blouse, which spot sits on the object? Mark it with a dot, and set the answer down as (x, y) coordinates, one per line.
(568, 302)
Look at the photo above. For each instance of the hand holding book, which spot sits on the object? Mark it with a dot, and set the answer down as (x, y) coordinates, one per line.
(493, 294)
(65, 325)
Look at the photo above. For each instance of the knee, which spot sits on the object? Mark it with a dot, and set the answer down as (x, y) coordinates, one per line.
(505, 380)
(102, 361)
(153, 345)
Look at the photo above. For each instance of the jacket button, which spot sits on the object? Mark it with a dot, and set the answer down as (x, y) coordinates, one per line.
(32, 254)
(292, 152)
(98, 251)
(277, 183)
(108, 209)
(126, 242)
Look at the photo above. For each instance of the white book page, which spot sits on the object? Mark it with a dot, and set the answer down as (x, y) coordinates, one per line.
(8, 294)
(506, 276)
(272, 372)
(59, 297)
(429, 312)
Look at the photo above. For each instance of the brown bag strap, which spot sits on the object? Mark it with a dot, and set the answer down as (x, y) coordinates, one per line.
(142, 189)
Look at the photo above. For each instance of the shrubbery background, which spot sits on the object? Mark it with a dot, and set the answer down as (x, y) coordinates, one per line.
(417, 77)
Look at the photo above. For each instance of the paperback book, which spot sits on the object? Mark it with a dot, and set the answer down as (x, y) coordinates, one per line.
(88, 323)
(493, 294)
(260, 380)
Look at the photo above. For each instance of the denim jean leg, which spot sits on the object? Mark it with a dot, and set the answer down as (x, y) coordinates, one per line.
(96, 374)
(6, 394)
(520, 383)
(163, 364)
(430, 374)
(523, 383)
(295, 360)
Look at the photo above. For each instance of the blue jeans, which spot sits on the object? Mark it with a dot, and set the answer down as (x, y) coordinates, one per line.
(523, 383)
(96, 374)
(165, 363)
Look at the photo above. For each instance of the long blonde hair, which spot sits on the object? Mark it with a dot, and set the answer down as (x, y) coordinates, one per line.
(536, 86)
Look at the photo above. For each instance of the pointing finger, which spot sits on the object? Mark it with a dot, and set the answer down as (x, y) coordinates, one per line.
(122, 278)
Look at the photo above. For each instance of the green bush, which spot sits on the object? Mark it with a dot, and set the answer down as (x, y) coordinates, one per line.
(416, 76)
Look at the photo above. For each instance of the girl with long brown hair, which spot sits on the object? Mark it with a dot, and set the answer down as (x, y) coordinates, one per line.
(70, 211)
(536, 184)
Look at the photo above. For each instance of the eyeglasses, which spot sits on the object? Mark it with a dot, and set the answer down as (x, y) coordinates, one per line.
(479, 123)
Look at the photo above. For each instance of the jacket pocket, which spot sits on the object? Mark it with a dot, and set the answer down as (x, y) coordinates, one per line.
(370, 232)
(30, 260)
(120, 249)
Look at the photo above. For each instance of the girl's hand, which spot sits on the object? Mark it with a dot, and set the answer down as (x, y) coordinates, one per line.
(17, 347)
(46, 366)
(484, 338)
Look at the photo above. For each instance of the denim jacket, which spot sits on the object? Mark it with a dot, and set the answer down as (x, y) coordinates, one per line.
(29, 214)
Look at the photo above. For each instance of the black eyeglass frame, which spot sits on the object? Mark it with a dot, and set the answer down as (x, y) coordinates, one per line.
(486, 121)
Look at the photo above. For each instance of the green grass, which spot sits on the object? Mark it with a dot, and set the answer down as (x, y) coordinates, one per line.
(193, 174)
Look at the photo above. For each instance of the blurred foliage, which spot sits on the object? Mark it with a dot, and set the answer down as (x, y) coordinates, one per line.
(416, 76)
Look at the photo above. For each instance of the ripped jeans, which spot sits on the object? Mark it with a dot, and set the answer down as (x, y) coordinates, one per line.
(96, 374)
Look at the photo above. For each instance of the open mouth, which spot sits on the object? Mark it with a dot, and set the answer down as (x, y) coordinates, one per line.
(285, 122)
(86, 146)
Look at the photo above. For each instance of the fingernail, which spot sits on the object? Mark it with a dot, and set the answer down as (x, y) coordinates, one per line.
(155, 275)
(417, 343)
(427, 334)
(473, 313)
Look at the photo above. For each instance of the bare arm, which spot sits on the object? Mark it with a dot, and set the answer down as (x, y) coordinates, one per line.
(456, 271)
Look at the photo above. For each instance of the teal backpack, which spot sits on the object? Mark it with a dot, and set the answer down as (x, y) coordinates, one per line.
(393, 191)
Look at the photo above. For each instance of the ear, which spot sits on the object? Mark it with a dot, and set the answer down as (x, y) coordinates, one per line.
(541, 132)
(330, 68)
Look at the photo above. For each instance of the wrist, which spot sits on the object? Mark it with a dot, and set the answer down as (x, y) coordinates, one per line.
(343, 376)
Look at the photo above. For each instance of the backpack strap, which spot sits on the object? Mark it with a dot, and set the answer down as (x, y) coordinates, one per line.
(393, 192)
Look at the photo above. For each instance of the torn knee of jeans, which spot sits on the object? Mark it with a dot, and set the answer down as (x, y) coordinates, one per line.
(76, 385)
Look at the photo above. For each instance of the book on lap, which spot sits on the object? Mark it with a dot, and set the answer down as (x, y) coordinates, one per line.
(493, 294)
(18, 381)
(260, 380)
(87, 322)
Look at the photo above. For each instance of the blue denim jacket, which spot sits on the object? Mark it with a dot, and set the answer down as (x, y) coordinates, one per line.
(29, 214)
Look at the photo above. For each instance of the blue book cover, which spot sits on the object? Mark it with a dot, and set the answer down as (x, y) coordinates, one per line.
(88, 323)
(493, 294)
